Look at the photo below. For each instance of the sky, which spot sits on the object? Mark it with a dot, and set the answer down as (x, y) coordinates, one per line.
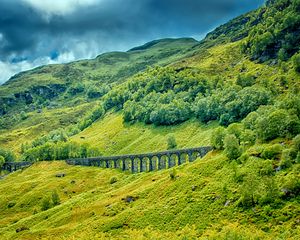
(39, 32)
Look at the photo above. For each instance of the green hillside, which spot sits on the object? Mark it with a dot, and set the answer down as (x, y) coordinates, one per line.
(202, 202)
(236, 90)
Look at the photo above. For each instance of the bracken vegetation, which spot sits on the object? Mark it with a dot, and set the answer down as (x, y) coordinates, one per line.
(237, 90)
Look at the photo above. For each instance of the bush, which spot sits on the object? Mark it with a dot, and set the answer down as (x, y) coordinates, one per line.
(217, 138)
(45, 204)
(171, 141)
(243, 158)
(173, 174)
(8, 155)
(270, 191)
(272, 152)
(291, 187)
(296, 62)
(55, 198)
(231, 147)
(266, 168)
(113, 180)
(296, 143)
(245, 80)
(2, 161)
(235, 129)
(248, 137)
(278, 123)
(250, 121)
(249, 191)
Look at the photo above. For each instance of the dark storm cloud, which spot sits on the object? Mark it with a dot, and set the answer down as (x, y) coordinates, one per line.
(27, 32)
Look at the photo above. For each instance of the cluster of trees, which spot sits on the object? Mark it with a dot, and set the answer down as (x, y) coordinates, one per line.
(230, 104)
(277, 33)
(265, 124)
(6, 156)
(59, 151)
(166, 96)
(158, 108)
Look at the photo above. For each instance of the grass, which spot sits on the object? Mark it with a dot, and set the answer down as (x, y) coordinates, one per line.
(190, 206)
(38, 124)
(112, 136)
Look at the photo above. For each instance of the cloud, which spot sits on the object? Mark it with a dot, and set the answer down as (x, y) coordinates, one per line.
(59, 7)
(32, 30)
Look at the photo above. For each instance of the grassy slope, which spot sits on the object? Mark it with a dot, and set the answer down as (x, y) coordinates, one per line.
(228, 66)
(113, 136)
(38, 124)
(163, 208)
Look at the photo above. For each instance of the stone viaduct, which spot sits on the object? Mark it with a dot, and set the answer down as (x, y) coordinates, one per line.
(145, 162)
(14, 166)
(134, 163)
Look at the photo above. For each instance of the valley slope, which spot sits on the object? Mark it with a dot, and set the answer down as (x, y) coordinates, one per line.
(237, 90)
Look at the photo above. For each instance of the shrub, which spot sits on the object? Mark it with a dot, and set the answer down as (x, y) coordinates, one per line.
(45, 204)
(271, 191)
(8, 155)
(217, 138)
(243, 158)
(55, 198)
(11, 204)
(245, 80)
(278, 123)
(2, 161)
(248, 137)
(296, 62)
(235, 129)
(286, 158)
(296, 143)
(23, 115)
(266, 168)
(250, 121)
(291, 187)
(171, 141)
(249, 191)
(231, 147)
(113, 180)
(272, 152)
(173, 174)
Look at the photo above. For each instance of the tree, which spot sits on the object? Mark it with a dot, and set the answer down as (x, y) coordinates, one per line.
(2, 161)
(8, 155)
(245, 80)
(250, 190)
(296, 62)
(171, 141)
(296, 143)
(45, 204)
(217, 138)
(231, 147)
(55, 198)
(278, 123)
